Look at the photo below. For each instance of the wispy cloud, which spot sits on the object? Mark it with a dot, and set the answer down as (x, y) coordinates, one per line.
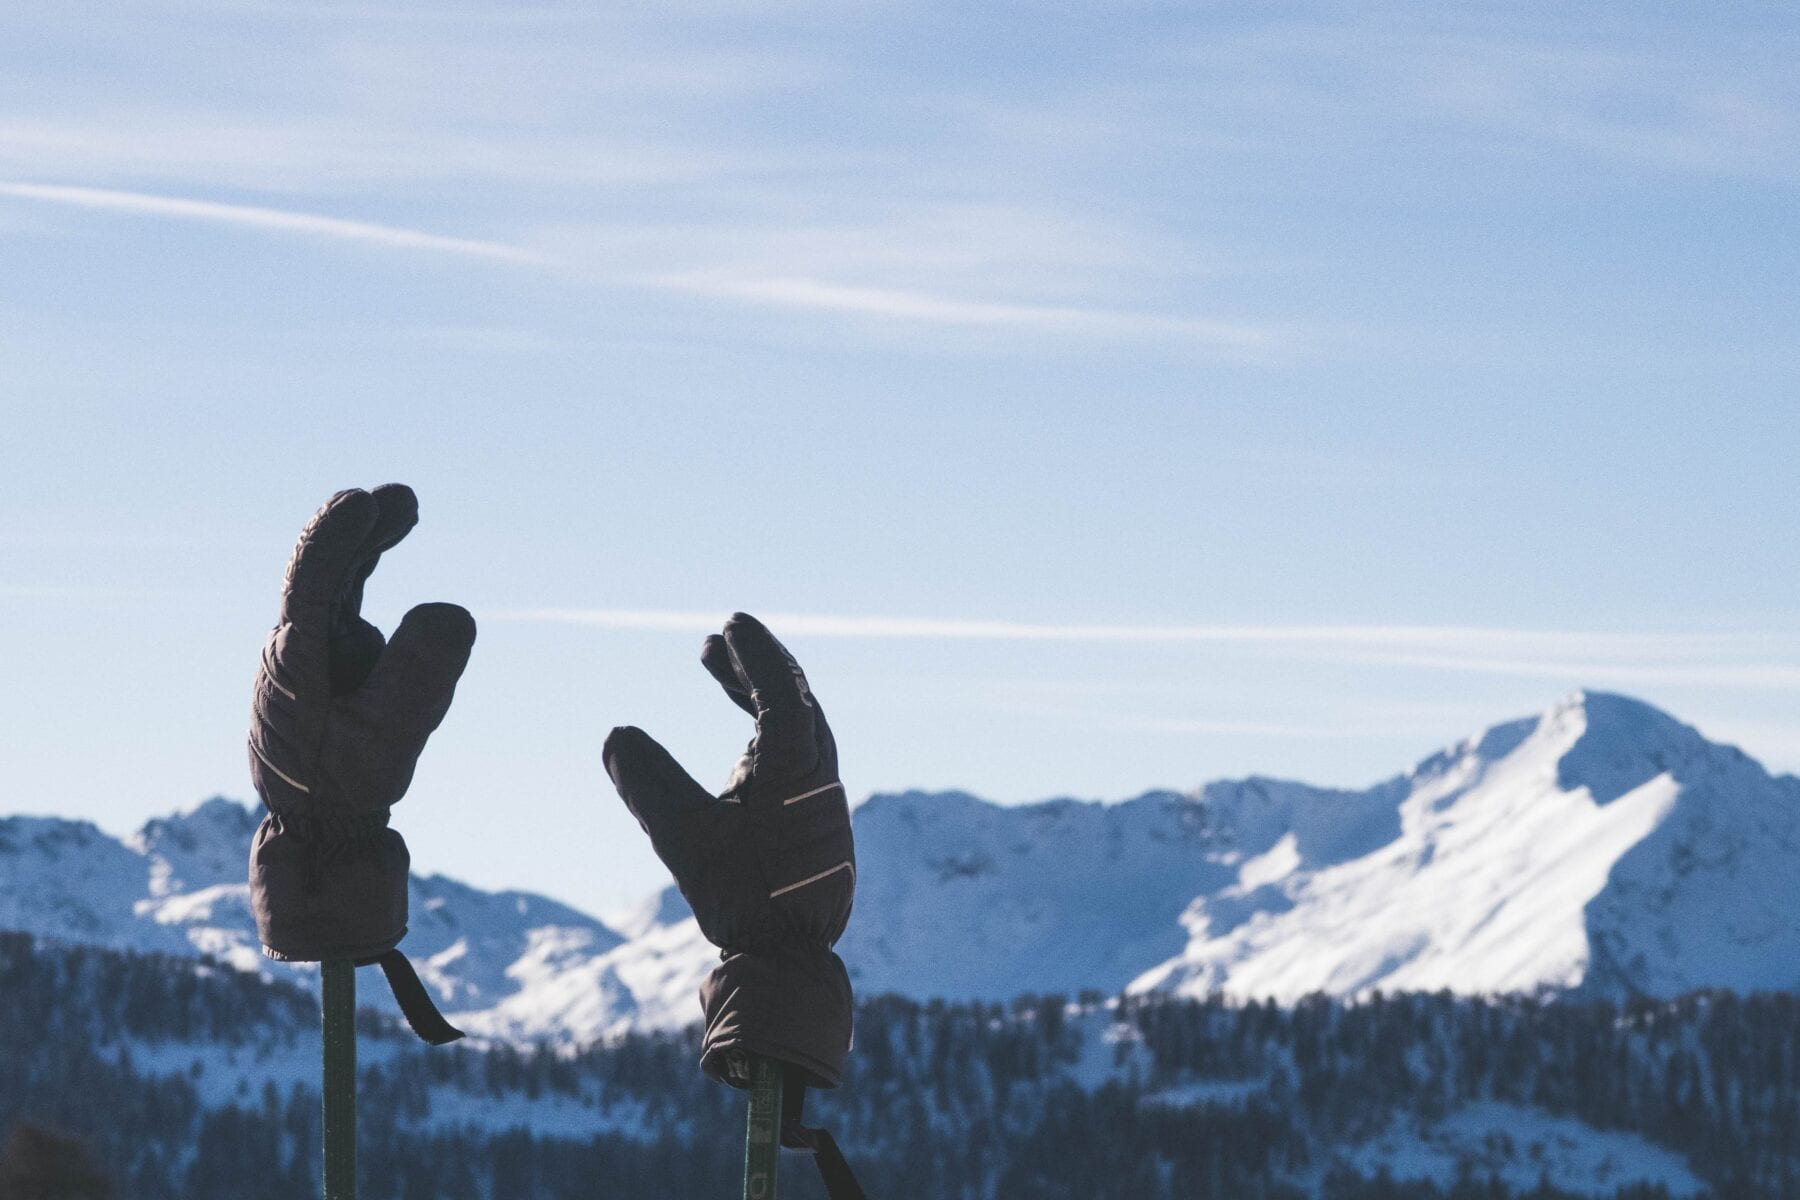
(1761, 660)
(1412, 636)
(274, 220)
(930, 308)
(884, 303)
(828, 625)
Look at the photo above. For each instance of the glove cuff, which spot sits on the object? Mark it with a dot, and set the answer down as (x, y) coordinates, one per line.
(793, 1005)
(328, 887)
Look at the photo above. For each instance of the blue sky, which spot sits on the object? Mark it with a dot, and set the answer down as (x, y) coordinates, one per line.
(1098, 397)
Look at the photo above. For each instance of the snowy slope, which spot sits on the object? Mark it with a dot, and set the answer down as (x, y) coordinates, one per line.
(1602, 845)
(1521, 1147)
(178, 886)
(960, 898)
(976, 900)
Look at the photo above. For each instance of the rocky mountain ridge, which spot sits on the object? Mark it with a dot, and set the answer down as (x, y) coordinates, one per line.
(1601, 847)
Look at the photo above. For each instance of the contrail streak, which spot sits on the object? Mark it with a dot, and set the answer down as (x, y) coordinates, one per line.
(1416, 638)
(279, 220)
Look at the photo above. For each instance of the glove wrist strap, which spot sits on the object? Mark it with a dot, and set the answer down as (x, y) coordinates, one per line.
(415, 1002)
(840, 1181)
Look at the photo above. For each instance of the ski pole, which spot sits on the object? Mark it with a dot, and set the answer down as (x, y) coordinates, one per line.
(762, 1138)
(340, 1078)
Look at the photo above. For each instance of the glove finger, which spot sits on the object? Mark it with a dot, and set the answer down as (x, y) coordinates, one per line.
(326, 555)
(715, 656)
(355, 649)
(356, 645)
(397, 513)
(786, 732)
(410, 689)
(775, 679)
(661, 795)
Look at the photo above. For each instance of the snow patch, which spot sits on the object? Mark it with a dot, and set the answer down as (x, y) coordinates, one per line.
(1521, 1146)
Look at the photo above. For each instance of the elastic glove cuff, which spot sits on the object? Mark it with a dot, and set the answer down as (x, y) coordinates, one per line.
(326, 889)
(793, 1005)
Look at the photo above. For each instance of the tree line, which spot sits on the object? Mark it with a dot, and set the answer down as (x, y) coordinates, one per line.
(133, 1075)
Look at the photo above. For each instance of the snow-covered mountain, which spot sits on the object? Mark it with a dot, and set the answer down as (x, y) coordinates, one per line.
(178, 886)
(1601, 846)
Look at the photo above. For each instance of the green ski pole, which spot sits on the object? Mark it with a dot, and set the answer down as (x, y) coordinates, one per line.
(340, 1078)
(762, 1139)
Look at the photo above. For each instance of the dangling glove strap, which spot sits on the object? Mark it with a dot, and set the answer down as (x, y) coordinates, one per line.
(415, 1002)
(840, 1183)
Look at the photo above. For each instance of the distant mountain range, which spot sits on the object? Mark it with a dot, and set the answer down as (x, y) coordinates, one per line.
(1601, 847)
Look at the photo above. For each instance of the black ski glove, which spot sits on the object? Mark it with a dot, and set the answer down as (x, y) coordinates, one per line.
(338, 720)
(768, 865)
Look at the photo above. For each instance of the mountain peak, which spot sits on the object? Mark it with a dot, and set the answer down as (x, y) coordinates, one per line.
(1599, 844)
(216, 819)
(1607, 743)
(48, 835)
(1617, 708)
(201, 847)
(1620, 743)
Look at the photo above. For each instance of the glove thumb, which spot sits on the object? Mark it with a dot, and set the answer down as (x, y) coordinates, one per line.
(663, 797)
(415, 678)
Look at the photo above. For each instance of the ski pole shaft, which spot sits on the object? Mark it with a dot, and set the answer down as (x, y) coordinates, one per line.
(762, 1140)
(340, 1079)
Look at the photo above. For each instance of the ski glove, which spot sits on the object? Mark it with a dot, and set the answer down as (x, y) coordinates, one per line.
(767, 865)
(338, 719)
